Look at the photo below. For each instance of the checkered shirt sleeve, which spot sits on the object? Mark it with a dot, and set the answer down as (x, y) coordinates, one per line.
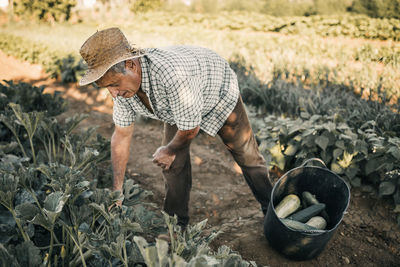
(123, 114)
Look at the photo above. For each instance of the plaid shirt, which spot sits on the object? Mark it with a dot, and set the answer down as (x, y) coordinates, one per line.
(186, 85)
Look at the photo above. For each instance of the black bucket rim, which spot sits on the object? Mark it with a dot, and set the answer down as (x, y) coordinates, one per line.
(310, 232)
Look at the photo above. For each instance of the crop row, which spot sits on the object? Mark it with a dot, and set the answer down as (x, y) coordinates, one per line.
(355, 26)
(361, 155)
(53, 213)
(64, 66)
(357, 138)
(361, 66)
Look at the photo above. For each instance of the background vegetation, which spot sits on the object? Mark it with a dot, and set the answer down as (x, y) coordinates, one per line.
(61, 10)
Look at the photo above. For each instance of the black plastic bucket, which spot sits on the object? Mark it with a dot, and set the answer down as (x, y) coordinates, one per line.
(329, 189)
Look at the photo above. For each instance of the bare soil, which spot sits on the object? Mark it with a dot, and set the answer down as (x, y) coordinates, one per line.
(367, 236)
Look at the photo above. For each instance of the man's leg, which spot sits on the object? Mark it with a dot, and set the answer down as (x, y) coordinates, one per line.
(178, 180)
(238, 136)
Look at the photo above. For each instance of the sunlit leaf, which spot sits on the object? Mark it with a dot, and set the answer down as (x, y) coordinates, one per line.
(55, 201)
(278, 157)
(346, 160)
(39, 219)
(290, 150)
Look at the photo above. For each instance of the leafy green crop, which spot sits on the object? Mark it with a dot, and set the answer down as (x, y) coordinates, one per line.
(46, 10)
(280, 96)
(53, 214)
(362, 155)
(356, 26)
(188, 248)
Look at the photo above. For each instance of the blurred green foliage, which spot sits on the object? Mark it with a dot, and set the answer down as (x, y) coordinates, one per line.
(62, 66)
(377, 8)
(61, 10)
(145, 5)
(44, 10)
(372, 8)
(305, 7)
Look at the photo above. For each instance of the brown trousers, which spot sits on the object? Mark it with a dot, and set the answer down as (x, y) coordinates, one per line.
(238, 137)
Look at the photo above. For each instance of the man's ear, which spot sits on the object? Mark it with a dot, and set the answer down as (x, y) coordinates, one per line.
(131, 64)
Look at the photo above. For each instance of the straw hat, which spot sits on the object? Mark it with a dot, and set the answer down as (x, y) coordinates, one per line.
(103, 50)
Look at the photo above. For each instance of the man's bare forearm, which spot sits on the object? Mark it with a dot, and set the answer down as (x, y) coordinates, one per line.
(120, 147)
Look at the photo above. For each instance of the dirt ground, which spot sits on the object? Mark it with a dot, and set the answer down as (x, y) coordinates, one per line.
(367, 236)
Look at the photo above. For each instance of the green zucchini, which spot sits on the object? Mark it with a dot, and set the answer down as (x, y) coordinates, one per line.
(310, 199)
(287, 206)
(317, 222)
(295, 225)
(305, 214)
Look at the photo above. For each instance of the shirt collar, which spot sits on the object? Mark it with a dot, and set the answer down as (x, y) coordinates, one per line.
(145, 82)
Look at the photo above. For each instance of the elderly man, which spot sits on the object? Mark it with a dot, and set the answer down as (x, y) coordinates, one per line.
(188, 88)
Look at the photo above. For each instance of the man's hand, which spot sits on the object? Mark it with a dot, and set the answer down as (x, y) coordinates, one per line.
(117, 204)
(163, 157)
(118, 197)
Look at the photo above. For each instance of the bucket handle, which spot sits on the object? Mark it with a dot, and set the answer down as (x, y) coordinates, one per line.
(314, 159)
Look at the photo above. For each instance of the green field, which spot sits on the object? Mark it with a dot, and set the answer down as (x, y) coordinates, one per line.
(359, 63)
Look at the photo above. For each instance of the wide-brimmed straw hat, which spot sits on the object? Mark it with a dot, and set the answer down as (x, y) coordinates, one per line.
(103, 50)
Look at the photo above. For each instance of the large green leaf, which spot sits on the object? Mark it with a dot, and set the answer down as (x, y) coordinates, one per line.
(53, 205)
(330, 126)
(29, 120)
(372, 165)
(100, 208)
(7, 233)
(352, 171)
(43, 221)
(133, 194)
(26, 211)
(356, 181)
(322, 142)
(6, 259)
(28, 254)
(361, 146)
(127, 225)
(337, 152)
(395, 151)
(340, 144)
(55, 201)
(387, 188)
(6, 217)
(296, 128)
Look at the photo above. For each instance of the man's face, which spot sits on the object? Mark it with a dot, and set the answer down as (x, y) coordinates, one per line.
(120, 84)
